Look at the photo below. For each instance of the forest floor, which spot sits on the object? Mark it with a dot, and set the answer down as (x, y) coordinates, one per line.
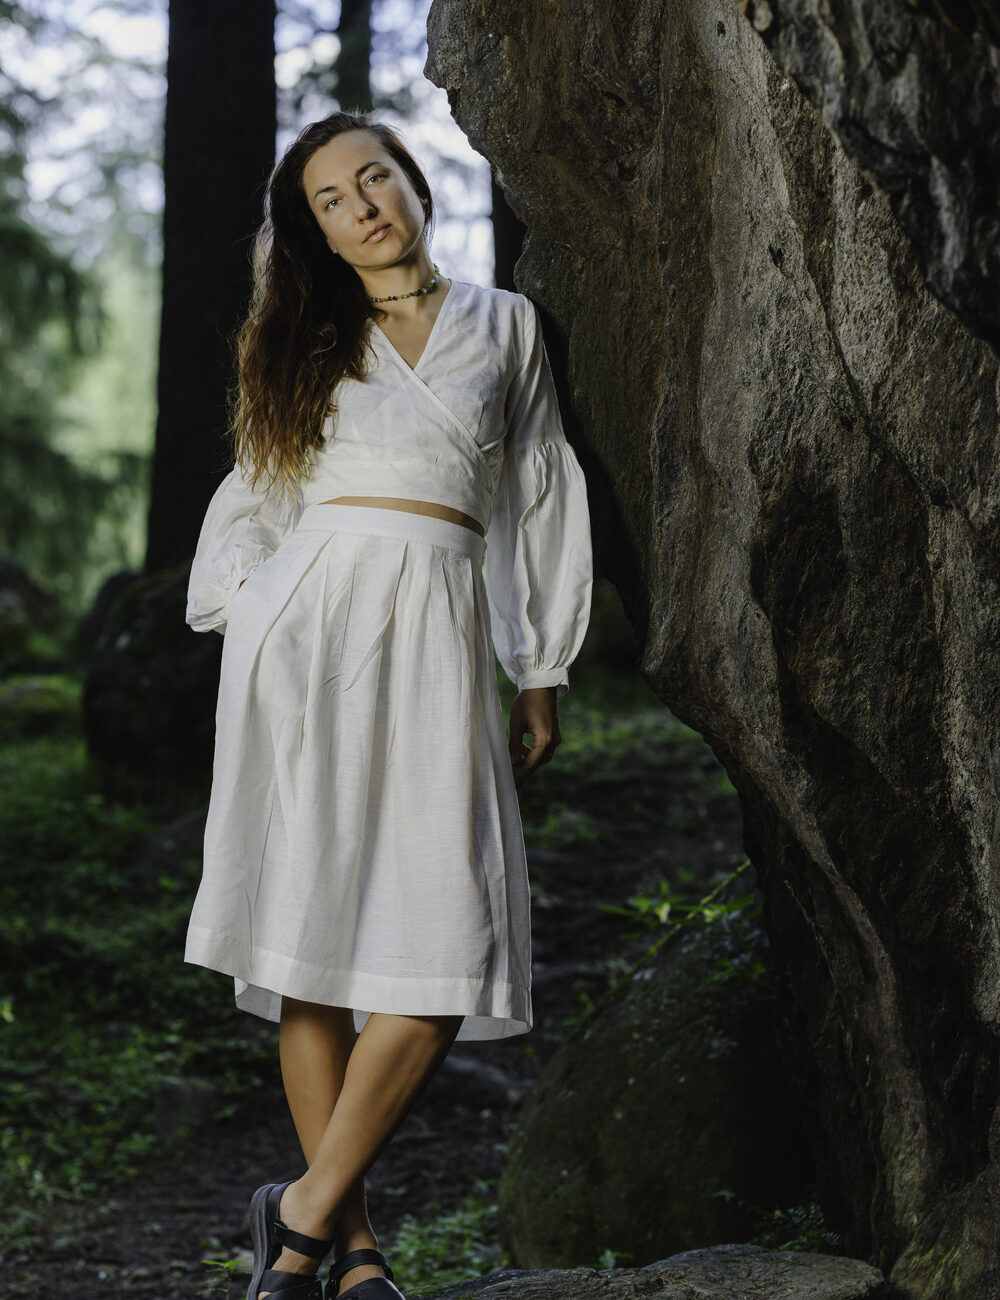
(639, 800)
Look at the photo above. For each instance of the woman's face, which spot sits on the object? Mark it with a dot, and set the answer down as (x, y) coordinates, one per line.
(364, 202)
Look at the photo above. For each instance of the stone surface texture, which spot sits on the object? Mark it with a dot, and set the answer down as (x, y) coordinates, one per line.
(913, 92)
(667, 1122)
(729, 1272)
(792, 452)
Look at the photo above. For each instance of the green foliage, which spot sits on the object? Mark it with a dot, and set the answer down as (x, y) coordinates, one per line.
(75, 445)
(74, 498)
(614, 1259)
(449, 1247)
(668, 913)
(49, 320)
(224, 1274)
(682, 907)
(106, 418)
(563, 827)
(97, 1009)
(803, 1227)
(800, 1227)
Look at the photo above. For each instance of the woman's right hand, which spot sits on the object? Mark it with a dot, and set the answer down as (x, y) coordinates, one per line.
(533, 713)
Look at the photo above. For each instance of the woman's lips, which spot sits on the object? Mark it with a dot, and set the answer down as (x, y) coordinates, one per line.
(377, 234)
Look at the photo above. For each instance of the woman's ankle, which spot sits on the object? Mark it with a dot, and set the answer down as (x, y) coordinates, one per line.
(307, 1214)
(350, 1237)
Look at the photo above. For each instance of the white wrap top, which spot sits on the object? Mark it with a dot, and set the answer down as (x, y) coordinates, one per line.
(475, 425)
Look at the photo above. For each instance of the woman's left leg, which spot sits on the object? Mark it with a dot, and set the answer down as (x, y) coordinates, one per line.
(315, 1044)
(392, 1061)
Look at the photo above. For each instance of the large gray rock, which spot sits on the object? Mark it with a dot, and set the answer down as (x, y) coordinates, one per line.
(795, 480)
(666, 1122)
(915, 99)
(730, 1272)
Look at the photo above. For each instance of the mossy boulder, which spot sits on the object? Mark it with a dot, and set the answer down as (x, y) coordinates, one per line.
(667, 1122)
(150, 694)
(35, 705)
(29, 620)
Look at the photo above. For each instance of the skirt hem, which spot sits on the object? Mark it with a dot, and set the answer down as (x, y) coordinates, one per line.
(491, 1010)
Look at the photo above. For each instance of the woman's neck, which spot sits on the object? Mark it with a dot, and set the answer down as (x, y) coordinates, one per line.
(405, 278)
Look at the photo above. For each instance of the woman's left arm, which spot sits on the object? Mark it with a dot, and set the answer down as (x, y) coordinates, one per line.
(539, 564)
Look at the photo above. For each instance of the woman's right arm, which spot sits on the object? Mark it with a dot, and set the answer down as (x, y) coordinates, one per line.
(243, 526)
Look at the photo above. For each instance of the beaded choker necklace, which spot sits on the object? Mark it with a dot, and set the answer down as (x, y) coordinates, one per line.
(398, 297)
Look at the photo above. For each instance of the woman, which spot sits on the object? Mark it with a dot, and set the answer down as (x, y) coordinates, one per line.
(364, 864)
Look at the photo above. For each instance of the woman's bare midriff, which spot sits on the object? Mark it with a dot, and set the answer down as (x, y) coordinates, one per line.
(414, 507)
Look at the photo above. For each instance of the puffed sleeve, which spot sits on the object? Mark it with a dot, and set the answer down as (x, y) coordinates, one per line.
(539, 566)
(242, 527)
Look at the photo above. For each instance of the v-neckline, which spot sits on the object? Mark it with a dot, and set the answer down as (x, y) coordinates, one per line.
(430, 337)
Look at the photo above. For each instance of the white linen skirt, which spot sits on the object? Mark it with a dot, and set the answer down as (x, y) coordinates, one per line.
(363, 846)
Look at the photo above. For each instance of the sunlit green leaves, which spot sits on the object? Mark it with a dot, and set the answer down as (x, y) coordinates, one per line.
(444, 1248)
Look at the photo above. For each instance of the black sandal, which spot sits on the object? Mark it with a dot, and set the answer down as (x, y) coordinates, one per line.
(269, 1236)
(372, 1288)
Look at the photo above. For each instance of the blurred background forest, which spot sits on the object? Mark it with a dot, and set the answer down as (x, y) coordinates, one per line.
(82, 96)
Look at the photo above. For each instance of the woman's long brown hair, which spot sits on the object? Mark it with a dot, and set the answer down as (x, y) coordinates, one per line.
(305, 328)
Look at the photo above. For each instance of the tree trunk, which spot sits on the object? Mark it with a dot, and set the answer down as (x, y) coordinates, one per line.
(354, 89)
(219, 149)
(792, 457)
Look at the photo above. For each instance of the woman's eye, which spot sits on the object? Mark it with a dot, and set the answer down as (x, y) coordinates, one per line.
(376, 176)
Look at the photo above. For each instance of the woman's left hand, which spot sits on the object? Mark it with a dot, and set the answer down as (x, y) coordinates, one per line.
(533, 713)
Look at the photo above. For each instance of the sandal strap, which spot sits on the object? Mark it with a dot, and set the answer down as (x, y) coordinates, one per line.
(291, 1286)
(312, 1247)
(282, 1235)
(353, 1259)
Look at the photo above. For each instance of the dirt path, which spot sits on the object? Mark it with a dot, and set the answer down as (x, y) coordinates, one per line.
(663, 812)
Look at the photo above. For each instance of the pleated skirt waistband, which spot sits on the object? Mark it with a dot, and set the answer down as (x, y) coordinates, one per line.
(333, 517)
